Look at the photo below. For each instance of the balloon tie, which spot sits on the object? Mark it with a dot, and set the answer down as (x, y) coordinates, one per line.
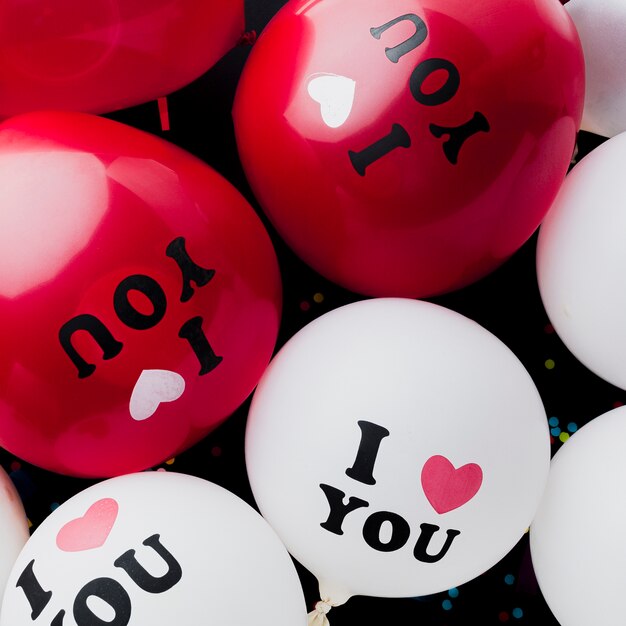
(318, 617)
(164, 114)
(248, 38)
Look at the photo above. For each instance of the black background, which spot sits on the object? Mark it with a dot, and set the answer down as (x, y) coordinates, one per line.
(507, 303)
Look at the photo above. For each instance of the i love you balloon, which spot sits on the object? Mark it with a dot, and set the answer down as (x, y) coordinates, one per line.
(601, 25)
(13, 526)
(581, 261)
(103, 55)
(139, 295)
(409, 147)
(576, 539)
(397, 448)
(154, 548)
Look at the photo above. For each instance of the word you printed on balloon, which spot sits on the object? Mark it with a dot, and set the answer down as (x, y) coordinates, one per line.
(90, 532)
(399, 137)
(446, 488)
(191, 331)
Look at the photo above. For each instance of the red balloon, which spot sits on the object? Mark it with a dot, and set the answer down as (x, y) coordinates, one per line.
(103, 55)
(408, 148)
(140, 295)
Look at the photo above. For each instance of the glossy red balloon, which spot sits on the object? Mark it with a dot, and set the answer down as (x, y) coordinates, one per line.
(103, 55)
(140, 295)
(407, 148)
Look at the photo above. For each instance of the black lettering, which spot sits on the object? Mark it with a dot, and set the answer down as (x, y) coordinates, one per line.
(192, 331)
(100, 334)
(191, 271)
(421, 32)
(339, 510)
(397, 138)
(421, 547)
(458, 135)
(58, 619)
(445, 92)
(400, 531)
(128, 314)
(363, 466)
(141, 577)
(109, 591)
(35, 594)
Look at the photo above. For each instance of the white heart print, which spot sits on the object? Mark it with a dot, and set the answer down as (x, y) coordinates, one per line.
(335, 95)
(152, 388)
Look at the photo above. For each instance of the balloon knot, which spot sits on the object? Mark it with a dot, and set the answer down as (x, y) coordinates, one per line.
(323, 607)
(317, 617)
(248, 38)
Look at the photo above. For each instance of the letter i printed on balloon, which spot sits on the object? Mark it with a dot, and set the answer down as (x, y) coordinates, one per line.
(445, 487)
(153, 386)
(398, 137)
(90, 532)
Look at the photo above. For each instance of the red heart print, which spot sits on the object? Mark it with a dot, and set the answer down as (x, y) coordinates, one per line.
(448, 488)
(91, 530)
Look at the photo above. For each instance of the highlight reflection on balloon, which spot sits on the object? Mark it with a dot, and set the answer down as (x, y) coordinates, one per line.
(105, 55)
(409, 148)
(139, 292)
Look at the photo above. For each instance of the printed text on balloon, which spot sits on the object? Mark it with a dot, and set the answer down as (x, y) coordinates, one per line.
(362, 471)
(108, 590)
(399, 137)
(191, 330)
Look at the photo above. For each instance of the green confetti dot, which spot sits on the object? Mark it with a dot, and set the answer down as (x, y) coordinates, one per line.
(549, 364)
(564, 437)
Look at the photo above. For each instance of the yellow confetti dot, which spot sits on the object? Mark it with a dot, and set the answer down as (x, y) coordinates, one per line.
(318, 298)
(549, 364)
(564, 437)
(170, 461)
(30, 524)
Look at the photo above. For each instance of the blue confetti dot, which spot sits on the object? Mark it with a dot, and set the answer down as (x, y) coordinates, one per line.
(54, 506)
(572, 427)
(446, 604)
(517, 613)
(509, 579)
(553, 421)
(453, 593)
(555, 431)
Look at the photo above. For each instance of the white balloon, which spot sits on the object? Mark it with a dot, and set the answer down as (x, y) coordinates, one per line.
(426, 421)
(577, 539)
(601, 25)
(581, 261)
(13, 527)
(155, 548)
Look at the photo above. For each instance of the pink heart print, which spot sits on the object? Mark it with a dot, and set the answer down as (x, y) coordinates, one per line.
(91, 530)
(446, 487)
